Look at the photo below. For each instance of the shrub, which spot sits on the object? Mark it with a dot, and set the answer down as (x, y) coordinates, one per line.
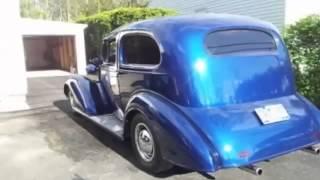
(101, 24)
(303, 41)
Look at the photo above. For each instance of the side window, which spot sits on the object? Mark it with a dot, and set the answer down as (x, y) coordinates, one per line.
(109, 48)
(139, 49)
(112, 51)
(104, 50)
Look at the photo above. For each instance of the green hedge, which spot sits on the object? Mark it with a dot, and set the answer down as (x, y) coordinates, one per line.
(303, 41)
(103, 23)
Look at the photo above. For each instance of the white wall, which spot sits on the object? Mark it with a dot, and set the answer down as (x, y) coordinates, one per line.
(297, 9)
(13, 79)
(12, 65)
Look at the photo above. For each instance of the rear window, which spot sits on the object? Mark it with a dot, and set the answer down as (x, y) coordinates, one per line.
(237, 41)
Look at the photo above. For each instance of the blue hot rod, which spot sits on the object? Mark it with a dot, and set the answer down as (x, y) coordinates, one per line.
(204, 92)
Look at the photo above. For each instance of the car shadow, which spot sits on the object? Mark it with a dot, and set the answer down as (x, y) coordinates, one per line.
(123, 148)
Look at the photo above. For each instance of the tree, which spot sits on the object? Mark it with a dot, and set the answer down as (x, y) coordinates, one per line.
(103, 23)
(303, 41)
(31, 9)
(70, 10)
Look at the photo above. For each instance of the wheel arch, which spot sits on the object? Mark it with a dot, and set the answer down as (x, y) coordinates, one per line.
(181, 145)
(128, 119)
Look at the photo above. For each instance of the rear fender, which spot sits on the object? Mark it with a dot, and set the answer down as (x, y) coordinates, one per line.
(90, 96)
(312, 108)
(181, 143)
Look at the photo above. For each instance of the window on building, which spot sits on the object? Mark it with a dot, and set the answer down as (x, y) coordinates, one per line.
(139, 49)
(238, 41)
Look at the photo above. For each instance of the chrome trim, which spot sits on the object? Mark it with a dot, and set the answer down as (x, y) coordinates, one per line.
(314, 150)
(72, 100)
(68, 83)
(144, 33)
(144, 142)
(129, 101)
(255, 170)
(119, 113)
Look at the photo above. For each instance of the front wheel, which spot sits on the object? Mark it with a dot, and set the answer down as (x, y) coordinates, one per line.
(146, 146)
(72, 102)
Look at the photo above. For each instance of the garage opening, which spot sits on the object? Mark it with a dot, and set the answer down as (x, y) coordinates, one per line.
(50, 53)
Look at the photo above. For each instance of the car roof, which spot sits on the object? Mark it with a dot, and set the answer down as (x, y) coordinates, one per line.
(200, 21)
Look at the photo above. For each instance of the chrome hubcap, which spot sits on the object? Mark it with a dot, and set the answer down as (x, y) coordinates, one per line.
(144, 142)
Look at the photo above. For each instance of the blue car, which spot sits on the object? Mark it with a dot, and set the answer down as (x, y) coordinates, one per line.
(203, 92)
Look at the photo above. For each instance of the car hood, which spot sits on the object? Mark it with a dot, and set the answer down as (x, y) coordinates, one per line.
(238, 136)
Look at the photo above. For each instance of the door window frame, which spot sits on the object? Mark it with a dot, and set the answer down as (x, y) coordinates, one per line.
(138, 66)
(105, 59)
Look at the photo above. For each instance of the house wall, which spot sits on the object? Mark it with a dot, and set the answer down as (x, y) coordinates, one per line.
(12, 66)
(295, 10)
(269, 10)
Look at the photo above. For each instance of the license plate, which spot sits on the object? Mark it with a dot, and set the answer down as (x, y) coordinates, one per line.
(272, 114)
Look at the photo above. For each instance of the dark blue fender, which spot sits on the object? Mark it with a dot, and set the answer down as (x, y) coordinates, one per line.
(182, 143)
(92, 96)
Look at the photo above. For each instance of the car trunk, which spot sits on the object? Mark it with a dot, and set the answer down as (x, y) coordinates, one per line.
(220, 80)
(240, 138)
(229, 88)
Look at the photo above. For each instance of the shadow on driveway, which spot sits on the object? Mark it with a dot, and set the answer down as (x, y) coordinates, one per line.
(123, 148)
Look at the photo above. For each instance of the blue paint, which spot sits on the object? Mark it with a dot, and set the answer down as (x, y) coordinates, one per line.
(93, 96)
(202, 105)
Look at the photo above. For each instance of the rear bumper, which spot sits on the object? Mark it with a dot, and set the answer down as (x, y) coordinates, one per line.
(270, 157)
(258, 154)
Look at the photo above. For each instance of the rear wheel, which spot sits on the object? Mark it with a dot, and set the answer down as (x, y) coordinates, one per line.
(146, 146)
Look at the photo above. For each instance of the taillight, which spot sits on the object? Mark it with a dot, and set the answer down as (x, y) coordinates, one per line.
(244, 154)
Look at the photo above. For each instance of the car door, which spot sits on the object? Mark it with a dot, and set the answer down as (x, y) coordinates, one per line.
(109, 69)
(138, 62)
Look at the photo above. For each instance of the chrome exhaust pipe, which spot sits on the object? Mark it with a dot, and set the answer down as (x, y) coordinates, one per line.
(255, 170)
(314, 150)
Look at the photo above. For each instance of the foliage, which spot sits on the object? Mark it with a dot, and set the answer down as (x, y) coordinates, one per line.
(303, 40)
(69, 10)
(103, 23)
(29, 8)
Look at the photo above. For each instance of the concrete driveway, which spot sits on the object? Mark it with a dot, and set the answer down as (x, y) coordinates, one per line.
(48, 142)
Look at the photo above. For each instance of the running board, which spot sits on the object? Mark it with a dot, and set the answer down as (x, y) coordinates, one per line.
(108, 122)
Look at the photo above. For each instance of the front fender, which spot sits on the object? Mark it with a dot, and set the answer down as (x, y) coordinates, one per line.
(181, 143)
(91, 96)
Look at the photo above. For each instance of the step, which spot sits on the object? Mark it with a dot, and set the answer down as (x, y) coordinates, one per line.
(108, 121)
